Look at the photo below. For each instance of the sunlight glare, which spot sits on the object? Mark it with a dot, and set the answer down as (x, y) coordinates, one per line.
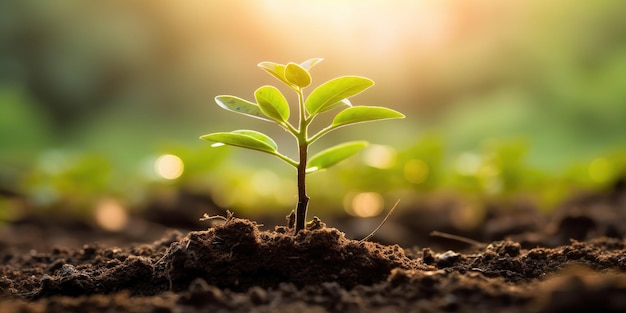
(383, 27)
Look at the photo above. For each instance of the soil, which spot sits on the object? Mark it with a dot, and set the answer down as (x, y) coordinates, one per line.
(571, 261)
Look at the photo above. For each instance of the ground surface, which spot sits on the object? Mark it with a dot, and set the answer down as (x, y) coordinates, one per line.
(236, 267)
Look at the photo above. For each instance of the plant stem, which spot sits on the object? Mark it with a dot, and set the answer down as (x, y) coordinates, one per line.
(303, 146)
(303, 199)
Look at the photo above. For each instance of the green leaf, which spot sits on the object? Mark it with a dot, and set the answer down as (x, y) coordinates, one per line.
(360, 114)
(272, 103)
(308, 64)
(258, 136)
(276, 70)
(334, 91)
(334, 155)
(241, 106)
(297, 75)
(342, 103)
(248, 139)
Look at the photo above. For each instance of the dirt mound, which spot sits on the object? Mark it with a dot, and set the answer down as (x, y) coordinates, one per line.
(238, 256)
(235, 255)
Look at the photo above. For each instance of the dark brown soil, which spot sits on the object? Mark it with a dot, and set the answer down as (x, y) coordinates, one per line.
(235, 267)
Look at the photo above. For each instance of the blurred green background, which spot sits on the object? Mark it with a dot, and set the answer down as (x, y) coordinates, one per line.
(102, 101)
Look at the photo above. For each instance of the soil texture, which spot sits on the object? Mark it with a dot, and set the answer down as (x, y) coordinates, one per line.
(236, 267)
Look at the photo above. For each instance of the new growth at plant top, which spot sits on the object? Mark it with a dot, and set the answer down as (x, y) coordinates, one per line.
(272, 106)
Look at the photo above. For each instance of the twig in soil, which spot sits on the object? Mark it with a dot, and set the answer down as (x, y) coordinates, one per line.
(206, 217)
(381, 223)
(229, 216)
(466, 240)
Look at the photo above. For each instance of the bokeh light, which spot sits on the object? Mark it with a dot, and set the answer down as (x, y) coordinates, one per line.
(365, 204)
(468, 164)
(169, 166)
(111, 215)
(379, 156)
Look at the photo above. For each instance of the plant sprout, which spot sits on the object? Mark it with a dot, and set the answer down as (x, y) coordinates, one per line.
(272, 106)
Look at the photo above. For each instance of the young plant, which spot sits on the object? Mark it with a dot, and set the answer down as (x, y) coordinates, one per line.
(272, 106)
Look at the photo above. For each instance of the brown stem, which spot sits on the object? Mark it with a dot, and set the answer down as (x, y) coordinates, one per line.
(303, 199)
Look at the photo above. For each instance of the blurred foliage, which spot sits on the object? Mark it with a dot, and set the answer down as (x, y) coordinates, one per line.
(64, 182)
(502, 97)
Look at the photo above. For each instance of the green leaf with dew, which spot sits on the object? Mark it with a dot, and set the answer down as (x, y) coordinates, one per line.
(334, 91)
(272, 103)
(334, 155)
(241, 106)
(360, 114)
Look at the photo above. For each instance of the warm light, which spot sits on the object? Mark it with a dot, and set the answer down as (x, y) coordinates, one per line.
(416, 171)
(379, 26)
(379, 156)
(169, 166)
(110, 215)
(366, 204)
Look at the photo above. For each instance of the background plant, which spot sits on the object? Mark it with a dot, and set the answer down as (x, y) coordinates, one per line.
(271, 105)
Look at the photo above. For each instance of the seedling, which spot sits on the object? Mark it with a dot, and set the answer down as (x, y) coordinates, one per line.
(272, 106)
